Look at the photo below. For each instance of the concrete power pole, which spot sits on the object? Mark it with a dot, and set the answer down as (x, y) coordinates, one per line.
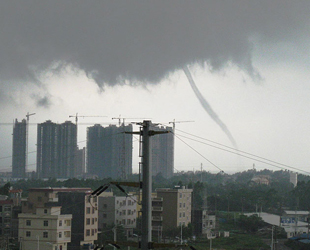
(146, 235)
(146, 133)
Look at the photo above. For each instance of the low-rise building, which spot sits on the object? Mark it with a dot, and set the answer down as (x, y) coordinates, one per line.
(119, 210)
(46, 229)
(75, 201)
(203, 222)
(84, 210)
(177, 203)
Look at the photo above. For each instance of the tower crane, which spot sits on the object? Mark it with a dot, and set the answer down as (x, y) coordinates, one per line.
(124, 118)
(27, 135)
(174, 122)
(83, 116)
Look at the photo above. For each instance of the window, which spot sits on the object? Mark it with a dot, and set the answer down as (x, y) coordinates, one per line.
(180, 215)
(28, 233)
(60, 223)
(93, 221)
(87, 232)
(93, 210)
(88, 210)
(0, 208)
(183, 204)
(45, 211)
(106, 205)
(183, 214)
(128, 221)
(180, 205)
(45, 234)
(45, 223)
(67, 233)
(180, 195)
(68, 222)
(129, 212)
(92, 232)
(7, 209)
(28, 222)
(129, 202)
(124, 222)
(60, 235)
(88, 221)
(124, 212)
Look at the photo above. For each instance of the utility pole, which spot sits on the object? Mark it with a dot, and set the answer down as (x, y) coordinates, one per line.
(146, 133)
(27, 135)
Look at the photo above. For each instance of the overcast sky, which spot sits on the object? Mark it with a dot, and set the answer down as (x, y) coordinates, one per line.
(249, 60)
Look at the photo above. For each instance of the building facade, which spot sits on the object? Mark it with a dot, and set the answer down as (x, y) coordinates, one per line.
(80, 162)
(84, 210)
(177, 203)
(109, 151)
(203, 222)
(74, 201)
(119, 211)
(157, 217)
(46, 229)
(56, 150)
(19, 158)
(163, 152)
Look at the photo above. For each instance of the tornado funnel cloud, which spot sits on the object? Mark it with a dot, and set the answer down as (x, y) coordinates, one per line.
(207, 106)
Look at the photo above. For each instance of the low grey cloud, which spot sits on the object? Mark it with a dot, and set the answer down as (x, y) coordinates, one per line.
(140, 41)
(42, 101)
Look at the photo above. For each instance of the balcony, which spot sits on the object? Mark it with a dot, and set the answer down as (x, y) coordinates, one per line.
(157, 228)
(157, 218)
(157, 208)
(157, 199)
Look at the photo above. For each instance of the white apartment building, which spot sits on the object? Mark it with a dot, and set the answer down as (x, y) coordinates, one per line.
(118, 211)
(46, 229)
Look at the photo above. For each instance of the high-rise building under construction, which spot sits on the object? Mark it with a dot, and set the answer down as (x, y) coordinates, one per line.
(56, 150)
(109, 151)
(163, 152)
(19, 149)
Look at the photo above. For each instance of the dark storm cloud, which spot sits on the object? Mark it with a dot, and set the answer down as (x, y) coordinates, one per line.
(42, 101)
(138, 40)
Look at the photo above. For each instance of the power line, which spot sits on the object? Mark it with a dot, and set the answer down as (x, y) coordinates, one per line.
(198, 153)
(268, 162)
